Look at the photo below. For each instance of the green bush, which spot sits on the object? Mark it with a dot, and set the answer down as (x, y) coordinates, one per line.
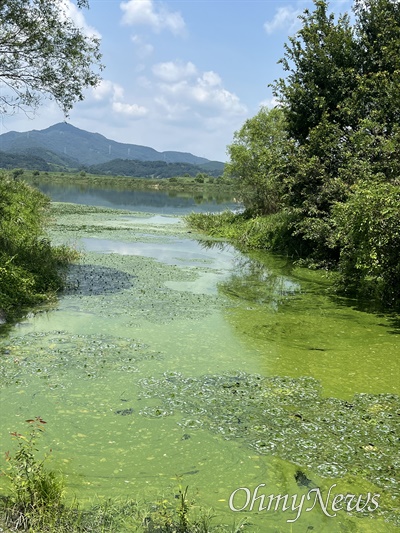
(30, 268)
(16, 173)
(367, 230)
(258, 157)
(272, 232)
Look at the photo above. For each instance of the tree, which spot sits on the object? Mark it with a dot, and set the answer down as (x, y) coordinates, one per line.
(341, 101)
(378, 43)
(16, 173)
(321, 64)
(258, 156)
(367, 230)
(43, 53)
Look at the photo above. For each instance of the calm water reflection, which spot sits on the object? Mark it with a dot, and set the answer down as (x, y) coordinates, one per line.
(149, 201)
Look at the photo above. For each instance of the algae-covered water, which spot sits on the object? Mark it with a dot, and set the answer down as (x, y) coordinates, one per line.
(172, 360)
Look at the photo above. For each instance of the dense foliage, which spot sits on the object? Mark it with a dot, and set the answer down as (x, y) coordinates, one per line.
(43, 53)
(11, 161)
(327, 159)
(258, 156)
(29, 265)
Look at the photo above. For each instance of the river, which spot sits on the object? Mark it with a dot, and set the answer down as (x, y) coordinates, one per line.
(174, 359)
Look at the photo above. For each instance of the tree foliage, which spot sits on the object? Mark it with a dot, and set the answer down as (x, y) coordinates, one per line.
(148, 169)
(43, 53)
(320, 62)
(368, 231)
(331, 162)
(258, 156)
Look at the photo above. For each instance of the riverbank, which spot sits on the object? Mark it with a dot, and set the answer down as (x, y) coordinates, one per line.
(356, 274)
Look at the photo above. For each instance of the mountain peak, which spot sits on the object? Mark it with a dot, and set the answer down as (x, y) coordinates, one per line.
(61, 126)
(89, 148)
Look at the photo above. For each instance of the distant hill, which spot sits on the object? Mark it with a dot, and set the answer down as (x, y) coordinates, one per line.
(150, 169)
(66, 146)
(30, 162)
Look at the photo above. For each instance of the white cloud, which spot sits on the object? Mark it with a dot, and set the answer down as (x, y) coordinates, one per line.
(143, 49)
(146, 12)
(174, 111)
(270, 102)
(131, 110)
(210, 79)
(108, 90)
(108, 93)
(201, 93)
(285, 18)
(174, 72)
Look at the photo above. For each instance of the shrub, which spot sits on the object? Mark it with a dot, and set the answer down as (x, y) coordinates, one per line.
(31, 268)
(367, 230)
(16, 173)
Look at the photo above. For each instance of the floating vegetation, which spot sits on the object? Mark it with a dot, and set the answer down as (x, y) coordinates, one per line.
(53, 354)
(94, 280)
(133, 288)
(288, 418)
(81, 220)
(155, 412)
(124, 412)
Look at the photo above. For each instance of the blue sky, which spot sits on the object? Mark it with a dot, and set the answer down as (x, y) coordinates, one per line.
(180, 75)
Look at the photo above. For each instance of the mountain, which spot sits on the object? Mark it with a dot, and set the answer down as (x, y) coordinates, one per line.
(73, 147)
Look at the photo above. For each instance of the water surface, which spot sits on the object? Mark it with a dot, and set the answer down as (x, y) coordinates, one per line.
(149, 201)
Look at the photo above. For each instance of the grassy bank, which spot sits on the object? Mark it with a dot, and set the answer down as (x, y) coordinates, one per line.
(30, 268)
(270, 233)
(365, 240)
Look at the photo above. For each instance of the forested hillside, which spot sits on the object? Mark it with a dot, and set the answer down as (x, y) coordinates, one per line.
(150, 169)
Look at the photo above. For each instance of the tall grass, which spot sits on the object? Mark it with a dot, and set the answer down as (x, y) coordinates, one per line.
(272, 232)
